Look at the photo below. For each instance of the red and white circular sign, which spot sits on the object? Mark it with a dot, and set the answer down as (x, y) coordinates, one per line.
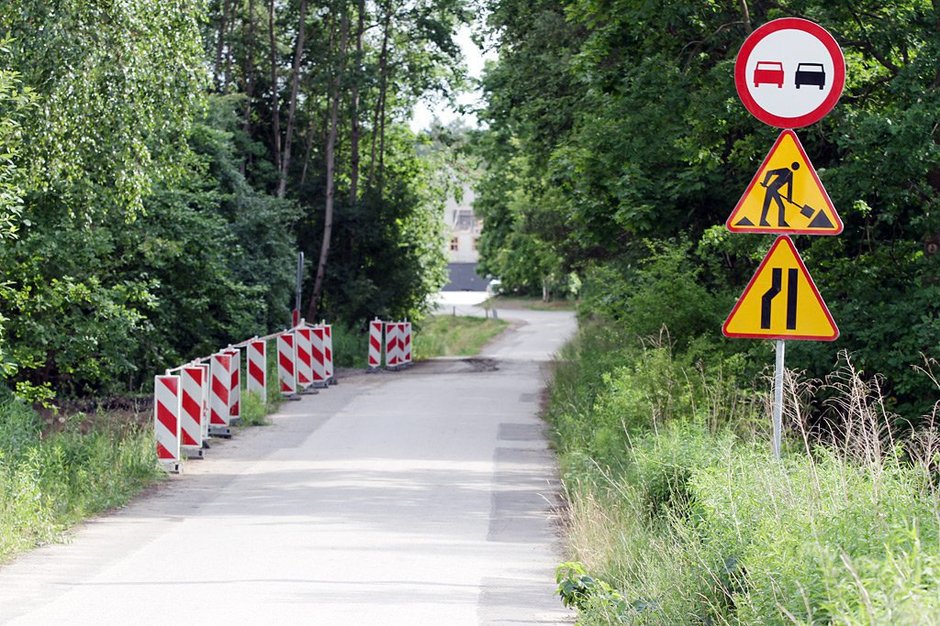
(790, 73)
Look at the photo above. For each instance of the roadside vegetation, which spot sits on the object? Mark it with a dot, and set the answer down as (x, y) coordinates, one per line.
(59, 466)
(160, 167)
(450, 335)
(678, 514)
(615, 150)
(54, 475)
(530, 302)
(615, 136)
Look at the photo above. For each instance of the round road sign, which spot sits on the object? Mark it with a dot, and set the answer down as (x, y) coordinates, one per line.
(790, 73)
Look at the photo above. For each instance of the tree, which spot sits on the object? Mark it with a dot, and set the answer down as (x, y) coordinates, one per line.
(620, 122)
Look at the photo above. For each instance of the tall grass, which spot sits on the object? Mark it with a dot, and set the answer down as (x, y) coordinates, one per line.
(48, 482)
(678, 514)
(447, 335)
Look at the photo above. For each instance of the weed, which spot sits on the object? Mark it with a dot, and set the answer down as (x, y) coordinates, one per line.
(254, 411)
(445, 335)
(48, 483)
(677, 513)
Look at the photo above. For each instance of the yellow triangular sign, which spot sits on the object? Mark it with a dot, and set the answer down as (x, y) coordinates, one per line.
(785, 196)
(781, 301)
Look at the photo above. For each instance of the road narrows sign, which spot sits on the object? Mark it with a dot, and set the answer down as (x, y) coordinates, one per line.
(785, 196)
(781, 301)
(789, 73)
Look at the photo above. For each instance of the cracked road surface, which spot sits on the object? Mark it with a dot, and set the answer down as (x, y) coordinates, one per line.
(419, 497)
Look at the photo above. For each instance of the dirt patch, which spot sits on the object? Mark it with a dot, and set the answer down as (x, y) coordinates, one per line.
(86, 414)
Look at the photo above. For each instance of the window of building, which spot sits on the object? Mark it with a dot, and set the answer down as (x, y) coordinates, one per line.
(454, 244)
(465, 220)
(475, 240)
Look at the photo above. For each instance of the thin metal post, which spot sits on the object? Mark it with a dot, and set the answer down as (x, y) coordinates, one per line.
(300, 279)
(778, 399)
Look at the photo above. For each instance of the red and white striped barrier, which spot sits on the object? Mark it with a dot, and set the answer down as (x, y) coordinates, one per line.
(303, 339)
(391, 346)
(220, 384)
(328, 352)
(375, 344)
(235, 387)
(166, 420)
(406, 347)
(204, 401)
(257, 371)
(192, 383)
(286, 359)
(318, 352)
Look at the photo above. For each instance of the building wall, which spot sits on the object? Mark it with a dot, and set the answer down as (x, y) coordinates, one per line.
(463, 229)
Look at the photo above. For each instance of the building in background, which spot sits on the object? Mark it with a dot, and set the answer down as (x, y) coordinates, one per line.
(463, 230)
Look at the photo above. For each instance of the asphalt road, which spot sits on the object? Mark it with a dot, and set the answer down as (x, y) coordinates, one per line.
(419, 497)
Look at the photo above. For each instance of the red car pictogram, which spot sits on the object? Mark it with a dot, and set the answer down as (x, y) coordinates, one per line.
(768, 73)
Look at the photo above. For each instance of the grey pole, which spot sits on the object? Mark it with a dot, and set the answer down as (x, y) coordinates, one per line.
(778, 399)
(300, 278)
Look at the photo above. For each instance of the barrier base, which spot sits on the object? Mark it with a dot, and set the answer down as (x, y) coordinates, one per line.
(194, 453)
(171, 467)
(332, 381)
(234, 421)
(373, 370)
(309, 391)
(321, 384)
(220, 431)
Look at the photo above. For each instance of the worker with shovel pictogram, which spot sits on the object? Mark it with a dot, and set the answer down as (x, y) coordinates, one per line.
(788, 180)
(774, 182)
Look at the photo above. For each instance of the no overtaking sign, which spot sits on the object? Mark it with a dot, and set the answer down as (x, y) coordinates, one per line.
(790, 73)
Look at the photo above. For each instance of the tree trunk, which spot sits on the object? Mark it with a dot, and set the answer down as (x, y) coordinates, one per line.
(220, 42)
(292, 104)
(354, 108)
(747, 16)
(275, 96)
(330, 154)
(308, 148)
(378, 119)
(248, 72)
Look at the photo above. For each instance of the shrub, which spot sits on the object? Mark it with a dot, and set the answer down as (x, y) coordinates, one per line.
(49, 482)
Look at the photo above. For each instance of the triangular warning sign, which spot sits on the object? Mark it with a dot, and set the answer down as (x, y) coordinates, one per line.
(785, 196)
(781, 301)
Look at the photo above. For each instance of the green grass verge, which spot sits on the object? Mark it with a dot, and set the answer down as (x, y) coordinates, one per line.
(447, 335)
(679, 515)
(529, 303)
(49, 481)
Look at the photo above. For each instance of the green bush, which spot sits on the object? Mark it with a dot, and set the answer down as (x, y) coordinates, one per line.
(49, 482)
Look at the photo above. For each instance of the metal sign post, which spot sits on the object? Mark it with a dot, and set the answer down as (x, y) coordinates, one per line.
(778, 399)
(295, 314)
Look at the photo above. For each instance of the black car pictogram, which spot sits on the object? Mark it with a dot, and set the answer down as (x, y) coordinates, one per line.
(810, 74)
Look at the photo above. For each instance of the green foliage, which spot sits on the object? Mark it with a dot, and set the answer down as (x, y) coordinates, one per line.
(49, 482)
(13, 103)
(100, 306)
(350, 347)
(678, 514)
(253, 410)
(390, 255)
(612, 125)
(103, 131)
(578, 590)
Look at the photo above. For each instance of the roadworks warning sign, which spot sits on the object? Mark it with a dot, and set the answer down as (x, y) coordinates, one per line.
(785, 196)
(781, 301)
